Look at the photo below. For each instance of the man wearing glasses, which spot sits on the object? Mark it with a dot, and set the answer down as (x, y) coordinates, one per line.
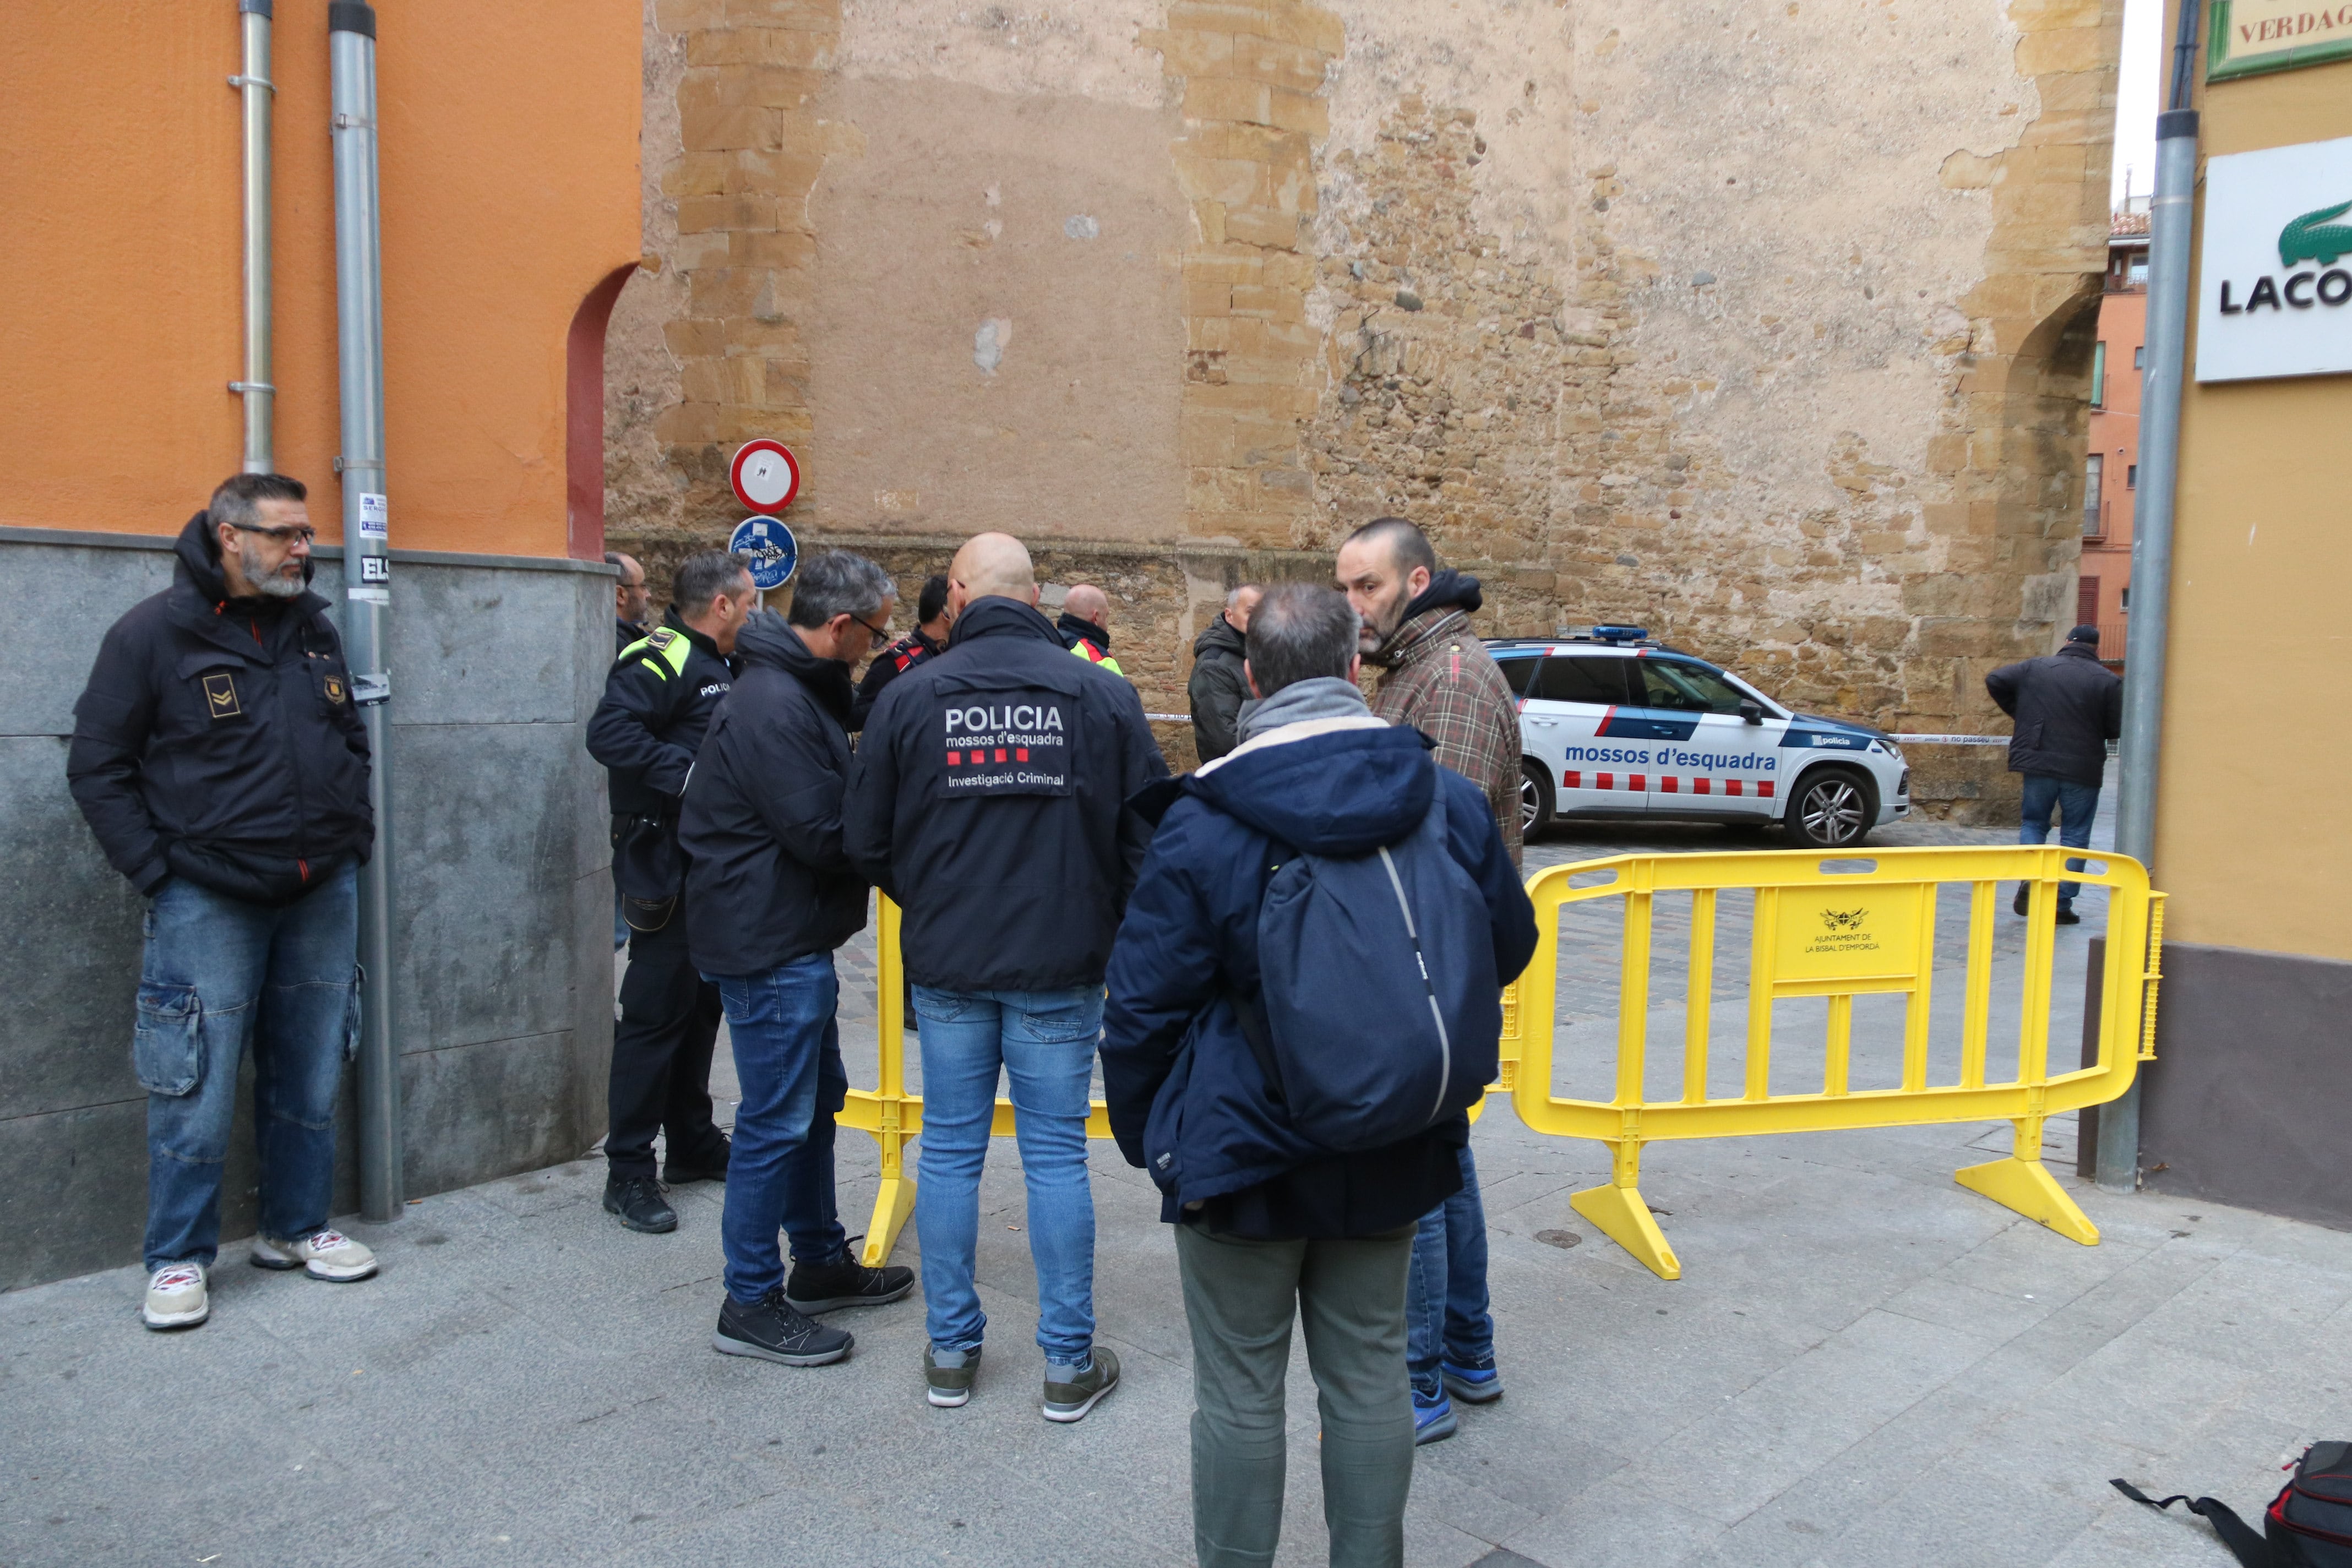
(220, 761)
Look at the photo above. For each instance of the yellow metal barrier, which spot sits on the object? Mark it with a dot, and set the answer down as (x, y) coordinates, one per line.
(1837, 927)
(893, 1115)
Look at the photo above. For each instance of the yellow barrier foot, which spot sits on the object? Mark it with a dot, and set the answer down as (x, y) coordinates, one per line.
(2030, 1189)
(892, 1206)
(1624, 1218)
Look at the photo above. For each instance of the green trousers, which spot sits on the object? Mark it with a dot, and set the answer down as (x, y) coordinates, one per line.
(1240, 1297)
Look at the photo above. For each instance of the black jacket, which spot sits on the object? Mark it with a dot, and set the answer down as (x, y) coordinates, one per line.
(1175, 1062)
(1218, 688)
(1073, 629)
(989, 799)
(766, 879)
(624, 634)
(658, 703)
(646, 729)
(217, 739)
(890, 664)
(2067, 706)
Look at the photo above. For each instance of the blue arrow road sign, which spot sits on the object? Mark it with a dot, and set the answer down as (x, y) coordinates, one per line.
(770, 544)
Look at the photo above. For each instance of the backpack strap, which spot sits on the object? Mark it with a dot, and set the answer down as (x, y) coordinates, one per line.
(2247, 1547)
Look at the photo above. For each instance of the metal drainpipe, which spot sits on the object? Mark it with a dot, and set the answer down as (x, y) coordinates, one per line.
(367, 572)
(254, 84)
(2172, 216)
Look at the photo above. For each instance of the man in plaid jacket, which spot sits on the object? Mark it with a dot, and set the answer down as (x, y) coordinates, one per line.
(1437, 678)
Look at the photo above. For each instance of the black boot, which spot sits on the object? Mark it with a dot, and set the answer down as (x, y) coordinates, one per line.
(639, 1203)
(773, 1330)
(706, 1165)
(844, 1282)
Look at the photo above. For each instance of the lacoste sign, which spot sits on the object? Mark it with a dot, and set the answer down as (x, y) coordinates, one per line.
(2274, 274)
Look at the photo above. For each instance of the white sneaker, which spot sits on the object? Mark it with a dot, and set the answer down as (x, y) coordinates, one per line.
(323, 1254)
(176, 1297)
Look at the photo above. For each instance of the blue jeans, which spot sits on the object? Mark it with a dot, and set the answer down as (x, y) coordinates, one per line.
(1044, 1042)
(780, 1176)
(220, 976)
(2076, 804)
(1446, 1315)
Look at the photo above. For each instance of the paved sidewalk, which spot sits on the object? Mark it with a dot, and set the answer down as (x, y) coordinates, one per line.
(1864, 1364)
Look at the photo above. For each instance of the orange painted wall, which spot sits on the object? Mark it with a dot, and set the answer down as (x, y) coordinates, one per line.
(509, 168)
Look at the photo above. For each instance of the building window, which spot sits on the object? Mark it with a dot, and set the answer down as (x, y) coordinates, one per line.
(2131, 475)
(2099, 378)
(2137, 276)
(2092, 469)
(2139, 357)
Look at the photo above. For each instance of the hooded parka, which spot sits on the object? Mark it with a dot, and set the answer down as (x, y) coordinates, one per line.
(218, 739)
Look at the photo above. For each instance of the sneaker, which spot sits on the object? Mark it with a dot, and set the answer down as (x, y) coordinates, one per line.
(1479, 1383)
(2016, 904)
(1069, 1396)
(711, 1166)
(176, 1297)
(638, 1201)
(771, 1330)
(2067, 917)
(322, 1255)
(844, 1282)
(1433, 1417)
(948, 1375)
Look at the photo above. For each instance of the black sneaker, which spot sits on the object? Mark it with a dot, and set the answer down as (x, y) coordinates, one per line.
(709, 1166)
(639, 1203)
(844, 1282)
(771, 1330)
(2016, 904)
(2067, 917)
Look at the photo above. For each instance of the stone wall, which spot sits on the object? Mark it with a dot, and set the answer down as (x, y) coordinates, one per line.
(504, 1011)
(1764, 324)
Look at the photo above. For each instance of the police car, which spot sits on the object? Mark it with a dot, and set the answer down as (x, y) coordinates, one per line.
(1613, 724)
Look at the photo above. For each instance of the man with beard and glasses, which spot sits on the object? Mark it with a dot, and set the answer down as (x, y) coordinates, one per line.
(1437, 678)
(221, 762)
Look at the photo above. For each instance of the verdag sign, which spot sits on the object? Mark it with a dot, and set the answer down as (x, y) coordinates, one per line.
(2275, 272)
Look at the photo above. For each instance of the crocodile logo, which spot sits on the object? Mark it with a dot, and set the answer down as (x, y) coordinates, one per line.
(2311, 237)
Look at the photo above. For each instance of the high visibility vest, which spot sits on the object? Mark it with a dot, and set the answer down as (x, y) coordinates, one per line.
(1093, 655)
(665, 645)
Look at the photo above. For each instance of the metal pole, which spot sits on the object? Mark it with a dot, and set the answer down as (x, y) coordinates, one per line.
(2172, 216)
(254, 84)
(367, 572)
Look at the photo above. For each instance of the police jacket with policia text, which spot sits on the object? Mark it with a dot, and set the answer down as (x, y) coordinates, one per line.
(657, 703)
(990, 800)
(767, 880)
(218, 739)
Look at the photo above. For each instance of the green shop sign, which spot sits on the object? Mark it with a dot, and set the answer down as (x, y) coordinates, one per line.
(2251, 36)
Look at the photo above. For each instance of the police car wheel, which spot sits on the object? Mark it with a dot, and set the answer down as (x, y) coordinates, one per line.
(1830, 810)
(1535, 799)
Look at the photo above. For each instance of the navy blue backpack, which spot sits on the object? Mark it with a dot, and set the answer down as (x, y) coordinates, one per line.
(1378, 1011)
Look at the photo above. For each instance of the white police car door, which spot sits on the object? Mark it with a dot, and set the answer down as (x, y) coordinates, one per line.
(1564, 722)
(1714, 762)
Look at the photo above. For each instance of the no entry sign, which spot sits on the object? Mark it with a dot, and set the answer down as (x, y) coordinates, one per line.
(772, 547)
(765, 476)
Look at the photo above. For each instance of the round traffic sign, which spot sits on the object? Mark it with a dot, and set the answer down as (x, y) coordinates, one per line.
(765, 475)
(772, 547)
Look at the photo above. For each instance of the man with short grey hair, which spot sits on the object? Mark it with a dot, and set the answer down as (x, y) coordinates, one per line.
(771, 893)
(1217, 688)
(1272, 1225)
(631, 601)
(220, 760)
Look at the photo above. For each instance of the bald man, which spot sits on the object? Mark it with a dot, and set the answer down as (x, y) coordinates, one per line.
(988, 799)
(1085, 625)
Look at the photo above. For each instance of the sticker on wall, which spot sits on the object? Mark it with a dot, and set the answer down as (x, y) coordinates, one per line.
(374, 516)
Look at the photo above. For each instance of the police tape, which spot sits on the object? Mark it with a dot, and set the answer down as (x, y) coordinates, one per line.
(1899, 740)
